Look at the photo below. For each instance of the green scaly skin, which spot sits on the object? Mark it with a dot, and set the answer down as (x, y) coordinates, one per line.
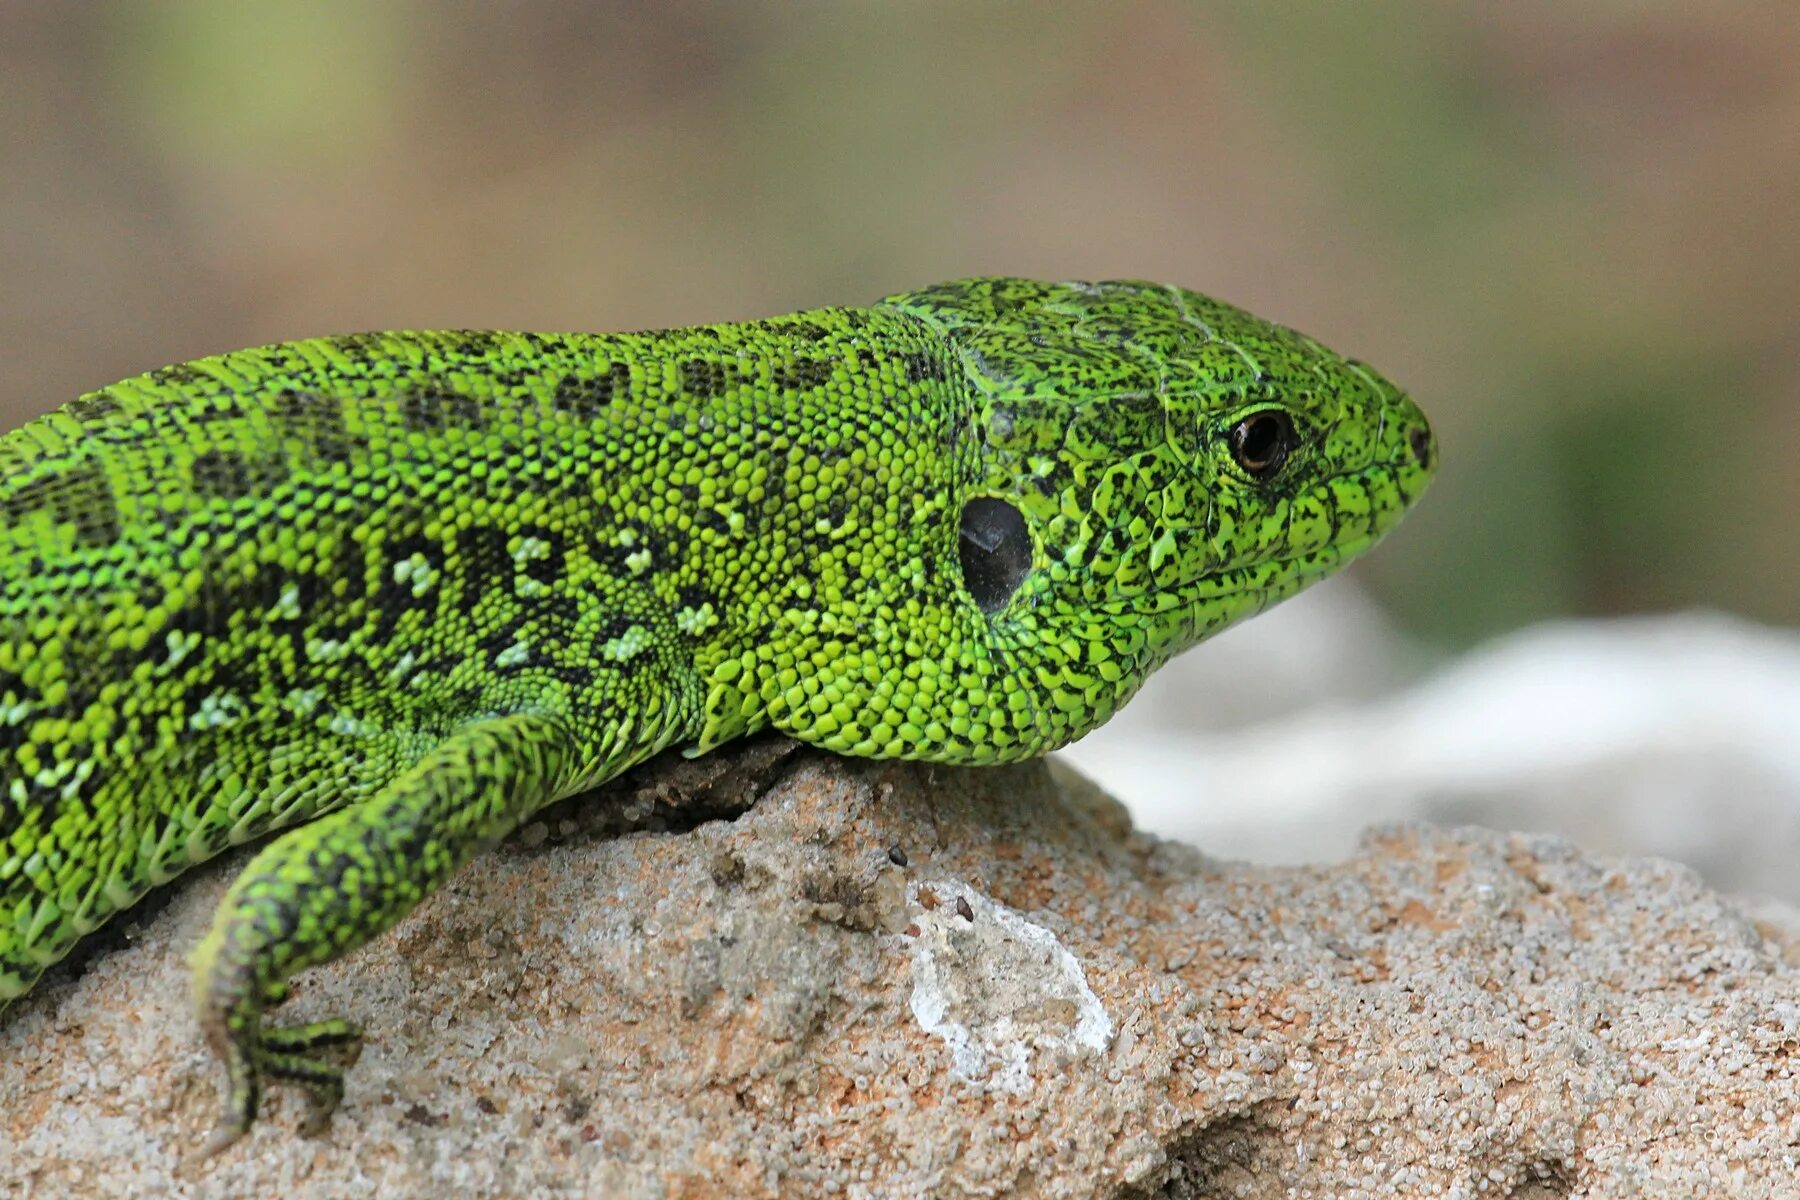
(394, 593)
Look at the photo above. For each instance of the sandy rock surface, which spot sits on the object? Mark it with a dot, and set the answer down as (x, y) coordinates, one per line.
(895, 980)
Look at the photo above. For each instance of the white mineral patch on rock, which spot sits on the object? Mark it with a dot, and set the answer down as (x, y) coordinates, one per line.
(770, 1006)
(996, 988)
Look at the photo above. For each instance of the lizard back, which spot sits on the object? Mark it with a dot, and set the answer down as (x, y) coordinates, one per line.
(239, 592)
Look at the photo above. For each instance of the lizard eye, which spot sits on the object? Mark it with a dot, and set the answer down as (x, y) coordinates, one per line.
(995, 548)
(1261, 443)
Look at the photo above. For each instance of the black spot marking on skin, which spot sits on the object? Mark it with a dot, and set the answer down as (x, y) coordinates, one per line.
(693, 597)
(501, 638)
(231, 475)
(922, 367)
(803, 374)
(394, 596)
(587, 398)
(617, 625)
(13, 685)
(434, 408)
(807, 331)
(545, 626)
(96, 664)
(92, 407)
(703, 378)
(243, 675)
(263, 595)
(486, 565)
(484, 345)
(1043, 485)
(175, 375)
(462, 698)
(751, 524)
(349, 563)
(257, 825)
(318, 595)
(81, 498)
(665, 546)
(807, 567)
(549, 566)
(315, 420)
(20, 966)
(836, 512)
(222, 408)
(362, 348)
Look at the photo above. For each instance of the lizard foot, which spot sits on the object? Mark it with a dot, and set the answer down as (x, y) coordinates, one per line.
(287, 1054)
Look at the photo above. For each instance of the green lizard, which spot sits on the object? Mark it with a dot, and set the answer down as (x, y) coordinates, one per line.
(396, 592)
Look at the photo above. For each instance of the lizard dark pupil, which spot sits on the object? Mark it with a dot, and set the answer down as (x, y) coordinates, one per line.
(995, 548)
(1262, 442)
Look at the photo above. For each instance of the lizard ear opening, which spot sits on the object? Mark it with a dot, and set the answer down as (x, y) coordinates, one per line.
(995, 548)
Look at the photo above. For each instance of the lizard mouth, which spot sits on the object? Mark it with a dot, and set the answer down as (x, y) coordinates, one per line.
(1290, 572)
(1275, 575)
(1272, 578)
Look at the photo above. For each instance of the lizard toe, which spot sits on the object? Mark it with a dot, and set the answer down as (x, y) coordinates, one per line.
(323, 1083)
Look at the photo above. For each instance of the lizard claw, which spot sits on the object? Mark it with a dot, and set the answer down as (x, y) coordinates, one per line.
(224, 1136)
(286, 1054)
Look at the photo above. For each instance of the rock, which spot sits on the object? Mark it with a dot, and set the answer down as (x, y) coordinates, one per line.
(1039, 1002)
(1667, 735)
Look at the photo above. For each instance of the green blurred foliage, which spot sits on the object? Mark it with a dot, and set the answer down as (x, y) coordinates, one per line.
(1568, 228)
(263, 84)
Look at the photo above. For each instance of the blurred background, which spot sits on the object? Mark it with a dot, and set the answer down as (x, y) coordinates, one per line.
(1570, 230)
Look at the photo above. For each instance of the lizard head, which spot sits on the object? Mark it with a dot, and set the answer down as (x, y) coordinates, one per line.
(1140, 466)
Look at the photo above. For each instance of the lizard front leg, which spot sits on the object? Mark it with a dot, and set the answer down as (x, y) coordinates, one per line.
(327, 887)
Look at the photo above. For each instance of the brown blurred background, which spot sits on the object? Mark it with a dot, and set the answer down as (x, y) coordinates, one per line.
(1570, 229)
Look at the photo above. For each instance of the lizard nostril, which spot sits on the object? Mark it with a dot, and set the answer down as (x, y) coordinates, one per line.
(1421, 446)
